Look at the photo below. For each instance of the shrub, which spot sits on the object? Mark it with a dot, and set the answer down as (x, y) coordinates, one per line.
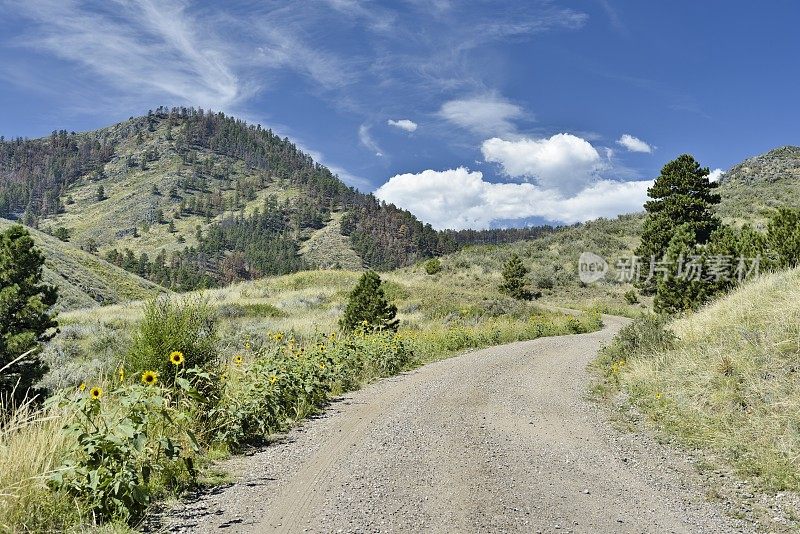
(187, 325)
(631, 297)
(433, 266)
(645, 335)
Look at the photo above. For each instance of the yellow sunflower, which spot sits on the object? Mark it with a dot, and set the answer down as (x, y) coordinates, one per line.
(176, 357)
(149, 378)
(96, 392)
(82, 387)
(273, 379)
(238, 359)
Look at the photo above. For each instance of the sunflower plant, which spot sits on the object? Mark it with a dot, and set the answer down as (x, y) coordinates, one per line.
(123, 442)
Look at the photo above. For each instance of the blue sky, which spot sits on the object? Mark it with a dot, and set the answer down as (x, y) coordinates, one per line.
(503, 113)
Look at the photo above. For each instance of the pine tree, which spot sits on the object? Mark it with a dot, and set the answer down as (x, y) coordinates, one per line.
(25, 318)
(368, 307)
(514, 282)
(681, 195)
(101, 193)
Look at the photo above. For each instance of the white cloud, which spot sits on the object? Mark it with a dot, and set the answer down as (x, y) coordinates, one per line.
(634, 144)
(403, 124)
(562, 162)
(460, 198)
(715, 175)
(486, 115)
(366, 139)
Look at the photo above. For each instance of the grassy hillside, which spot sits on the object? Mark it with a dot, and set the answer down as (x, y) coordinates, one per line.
(730, 383)
(84, 280)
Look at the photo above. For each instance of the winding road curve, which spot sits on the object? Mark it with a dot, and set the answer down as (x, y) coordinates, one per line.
(496, 440)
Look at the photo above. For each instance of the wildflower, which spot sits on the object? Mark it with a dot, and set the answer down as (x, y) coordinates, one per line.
(149, 378)
(238, 359)
(223, 376)
(96, 392)
(273, 379)
(322, 367)
(248, 346)
(122, 374)
(82, 387)
(658, 395)
(176, 357)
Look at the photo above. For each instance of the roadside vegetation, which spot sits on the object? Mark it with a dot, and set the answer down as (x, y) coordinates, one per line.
(143, 397)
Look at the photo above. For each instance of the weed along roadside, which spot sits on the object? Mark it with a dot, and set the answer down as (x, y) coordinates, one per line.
(190, 390)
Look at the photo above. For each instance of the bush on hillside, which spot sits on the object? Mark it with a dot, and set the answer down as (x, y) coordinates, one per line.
(647, 334)
(187, 325)
(433, 266)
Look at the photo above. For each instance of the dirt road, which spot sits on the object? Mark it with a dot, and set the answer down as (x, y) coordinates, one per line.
(497, 440)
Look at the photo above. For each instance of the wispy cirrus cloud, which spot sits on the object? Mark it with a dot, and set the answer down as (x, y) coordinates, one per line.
(365, 137)
(155, 48)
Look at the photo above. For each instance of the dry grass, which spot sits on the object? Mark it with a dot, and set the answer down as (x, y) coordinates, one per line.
(732, 384)
(32, 444)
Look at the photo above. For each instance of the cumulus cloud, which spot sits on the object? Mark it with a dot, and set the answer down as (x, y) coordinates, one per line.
(486, 115)
(715, 175)
(563, 162)
(403, 124)
(460, 198)
(366, 139)
(634, 144)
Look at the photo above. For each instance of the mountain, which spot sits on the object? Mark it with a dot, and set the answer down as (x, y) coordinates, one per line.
(188, 199)
(83, 279)
(754, 187)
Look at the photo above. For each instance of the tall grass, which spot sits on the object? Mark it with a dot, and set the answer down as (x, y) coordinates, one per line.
(32, 445)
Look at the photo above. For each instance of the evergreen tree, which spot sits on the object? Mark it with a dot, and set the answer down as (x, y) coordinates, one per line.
(514, 282)
(681, 195)
(368, 307)
(25, 318)
(101, 193)
(783, 236)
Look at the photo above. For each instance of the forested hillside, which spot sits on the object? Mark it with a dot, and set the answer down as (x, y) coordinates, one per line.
(188, 198)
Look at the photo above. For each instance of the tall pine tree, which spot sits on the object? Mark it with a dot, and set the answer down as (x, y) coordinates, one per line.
(682, 196)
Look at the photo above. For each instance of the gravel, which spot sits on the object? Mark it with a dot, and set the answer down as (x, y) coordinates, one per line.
(496, 440)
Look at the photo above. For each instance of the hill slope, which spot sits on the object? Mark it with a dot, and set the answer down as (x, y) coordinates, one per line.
(752, 188)
(84, 280)
(731, 382)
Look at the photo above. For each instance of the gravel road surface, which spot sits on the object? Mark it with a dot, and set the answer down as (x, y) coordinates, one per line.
(496, 440)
